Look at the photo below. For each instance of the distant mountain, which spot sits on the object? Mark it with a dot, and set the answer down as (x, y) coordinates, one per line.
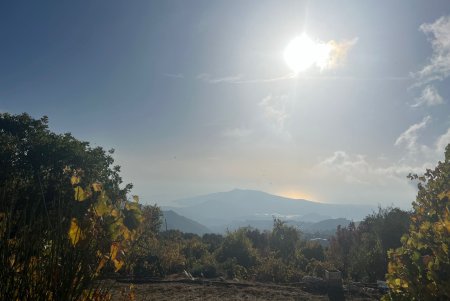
(177, 222)
(237, 206)
(327, 226)
(324, 226)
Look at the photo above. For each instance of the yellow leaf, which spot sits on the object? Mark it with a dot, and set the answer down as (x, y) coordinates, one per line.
(443, 195)
(115, 213)
(75, 233)
(80, 194)
(101, 208)
(97, 187)
(101, 264)
(118, 264)
(126, 233)
(114, 250)
(75, 180)
(136, 198)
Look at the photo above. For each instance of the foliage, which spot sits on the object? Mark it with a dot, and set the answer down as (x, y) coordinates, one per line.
(274, 269)
(420, 268)
(237, 246)
(63, 214)
(284, 240)
(360, 252)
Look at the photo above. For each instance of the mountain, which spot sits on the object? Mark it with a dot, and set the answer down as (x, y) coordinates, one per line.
(325, 226)
(236, 206)
(175, 221)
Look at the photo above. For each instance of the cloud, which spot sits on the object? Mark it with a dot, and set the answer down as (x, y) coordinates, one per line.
(275, 110)
(350, 167)
(409, 137)
(239, 79)
(339, 52)
(443, 141)
(226, 79)
(438, 64)
(438, 67)
(429, 97)
(357, 170)
(237, 132)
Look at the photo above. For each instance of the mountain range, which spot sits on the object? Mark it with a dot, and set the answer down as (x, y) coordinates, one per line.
(227, 210)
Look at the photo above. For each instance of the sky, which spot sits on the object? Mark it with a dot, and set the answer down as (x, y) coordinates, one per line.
(199, 97)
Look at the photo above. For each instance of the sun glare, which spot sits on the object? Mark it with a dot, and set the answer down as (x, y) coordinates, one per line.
(302, 53)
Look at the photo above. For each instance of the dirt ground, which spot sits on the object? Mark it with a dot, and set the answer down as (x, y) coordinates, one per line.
(214, 291)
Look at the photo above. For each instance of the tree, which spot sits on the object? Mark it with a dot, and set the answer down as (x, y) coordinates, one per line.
(63, 213)
(285, 240)
(340, 246)
(420, 268)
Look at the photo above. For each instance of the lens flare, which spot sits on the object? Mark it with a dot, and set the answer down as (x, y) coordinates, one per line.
(302, 53)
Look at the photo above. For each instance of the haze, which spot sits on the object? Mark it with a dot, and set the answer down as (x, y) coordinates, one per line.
(196, 96)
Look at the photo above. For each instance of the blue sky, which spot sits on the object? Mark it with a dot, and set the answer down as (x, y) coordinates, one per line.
(196, 97)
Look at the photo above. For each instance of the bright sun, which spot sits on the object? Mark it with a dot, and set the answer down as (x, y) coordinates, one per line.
(302, 53)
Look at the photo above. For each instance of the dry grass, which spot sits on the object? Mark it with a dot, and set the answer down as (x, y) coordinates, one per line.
(166, 291)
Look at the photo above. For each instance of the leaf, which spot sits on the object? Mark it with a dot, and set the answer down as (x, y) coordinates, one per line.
(75, 233)
(75, 180)
(101, 264)
(114, 250)
(415, 256)
(101, 208)
(443, 195)
(136, 198)
(80, 194)
(97, 187)
(118, 264)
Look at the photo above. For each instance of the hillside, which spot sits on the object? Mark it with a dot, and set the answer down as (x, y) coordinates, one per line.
(175, 221)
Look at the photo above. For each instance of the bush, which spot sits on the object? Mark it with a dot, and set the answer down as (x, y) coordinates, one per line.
(237, 246)
(63, 215)
(420, 268)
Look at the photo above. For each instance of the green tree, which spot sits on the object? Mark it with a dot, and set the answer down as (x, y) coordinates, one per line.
(285, 240)
(63, 212)
(420, 268)
(237, 246)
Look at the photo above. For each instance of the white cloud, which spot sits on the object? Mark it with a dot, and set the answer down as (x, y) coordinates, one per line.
(360, 174)
(442, 142)
(275, 110)
(226, 79)
(339, 52)
(409, 137)
(429, 97)
(237, 132)
(351, 168)
(438, 67)
(239, 79)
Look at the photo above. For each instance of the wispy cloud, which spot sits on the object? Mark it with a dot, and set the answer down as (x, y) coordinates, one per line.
(237, 132)
(429, 97)
(339, 52)
(351, 167)
(231, 79)
(239, 79)
(275, 110)
(417, 157)
(409, 137)
(438, 65)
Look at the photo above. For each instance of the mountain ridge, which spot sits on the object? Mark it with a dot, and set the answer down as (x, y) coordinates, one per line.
(223, 208)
